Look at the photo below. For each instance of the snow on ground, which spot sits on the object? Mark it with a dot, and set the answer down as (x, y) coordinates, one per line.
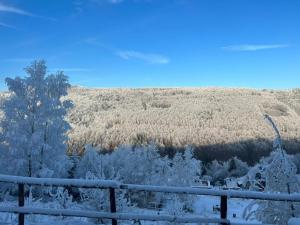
(294, 221)
(11, 219)
(205, 205)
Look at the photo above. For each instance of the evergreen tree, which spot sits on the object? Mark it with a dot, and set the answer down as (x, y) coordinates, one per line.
(33, 129)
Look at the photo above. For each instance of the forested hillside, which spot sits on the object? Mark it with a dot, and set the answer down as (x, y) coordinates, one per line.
(208, 118)
(218, 122)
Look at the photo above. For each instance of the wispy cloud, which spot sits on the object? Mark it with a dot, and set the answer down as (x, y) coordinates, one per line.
(7, 25)
(114, 1)
(107, 1)
(151, 58)
(242, 48)
(13, 9)
(146, 57)
(100, 2)
(80, 5)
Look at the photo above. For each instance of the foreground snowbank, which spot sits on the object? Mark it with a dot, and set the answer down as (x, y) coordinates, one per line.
(294, 221)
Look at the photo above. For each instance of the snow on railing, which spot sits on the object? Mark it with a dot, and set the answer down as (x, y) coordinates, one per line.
(81, 183)
(214, 192)
(112, 185)
(106, 215)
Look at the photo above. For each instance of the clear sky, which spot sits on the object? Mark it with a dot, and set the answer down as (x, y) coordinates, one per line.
(155, 43)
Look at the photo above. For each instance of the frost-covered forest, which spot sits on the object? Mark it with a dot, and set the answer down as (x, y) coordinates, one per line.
(39, 119)
(219, 123)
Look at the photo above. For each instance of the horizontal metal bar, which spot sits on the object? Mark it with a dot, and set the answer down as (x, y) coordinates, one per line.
(119, 216)
(80, 183)
(151, 188)
(106, 215)
(214, 192)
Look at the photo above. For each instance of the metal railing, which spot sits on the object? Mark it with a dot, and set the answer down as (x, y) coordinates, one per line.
(111, 185)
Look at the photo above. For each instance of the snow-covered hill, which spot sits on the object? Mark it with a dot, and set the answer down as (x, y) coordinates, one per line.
(228, 120)
(219, 122)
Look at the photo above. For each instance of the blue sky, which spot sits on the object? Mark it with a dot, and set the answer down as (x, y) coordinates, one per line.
(155, 43)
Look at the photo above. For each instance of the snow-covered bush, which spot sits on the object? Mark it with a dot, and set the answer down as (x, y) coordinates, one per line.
(139, 165)
(148, 167)
(94, 163)
(255, 179)
(186, 170)
(143, 165)
(33, 128)
(218, 171)
(61, 196)
(98, 199)
(96, 166)
(95, 198)
(126, 164)
(237, 168)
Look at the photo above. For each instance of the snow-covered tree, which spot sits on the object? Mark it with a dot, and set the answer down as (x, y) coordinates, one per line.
(237, 168)
(280, 178)
(136, 165)
(33, 129)
(142, 165)
(93, 163)
(279, 175)
(186, 170)
(296, 160)
(218, 171)
(274, 174)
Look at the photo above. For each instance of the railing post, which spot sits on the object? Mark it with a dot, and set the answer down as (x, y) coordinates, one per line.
(113, 208)
(223, 211)
(21, 203)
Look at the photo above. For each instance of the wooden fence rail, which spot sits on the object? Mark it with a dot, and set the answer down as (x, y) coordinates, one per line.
(21, 210)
